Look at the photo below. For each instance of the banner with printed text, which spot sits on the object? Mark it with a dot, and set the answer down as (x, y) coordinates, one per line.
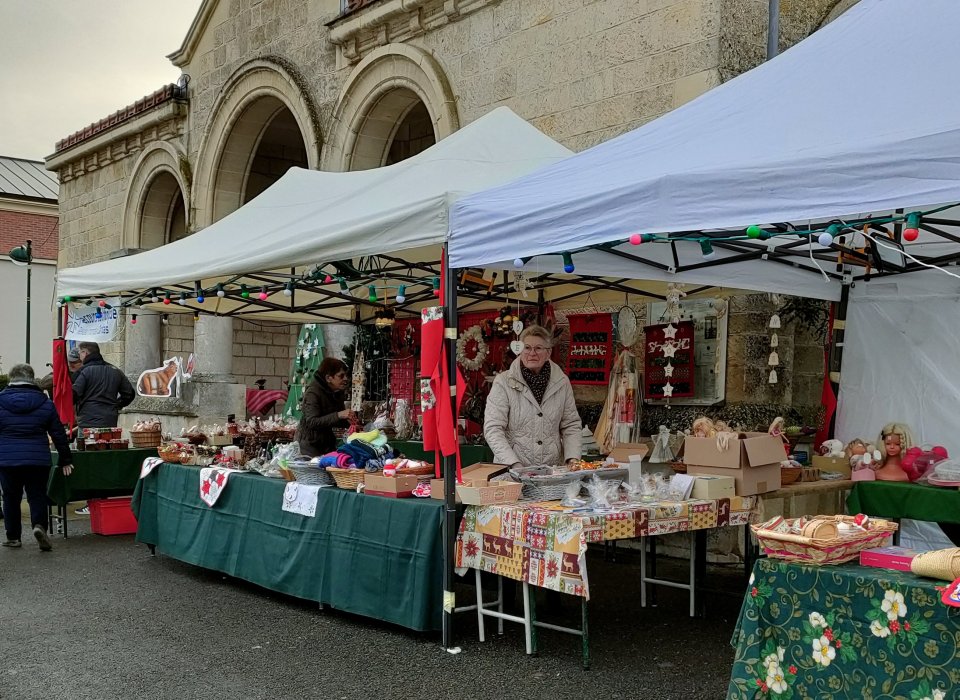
(93, 323)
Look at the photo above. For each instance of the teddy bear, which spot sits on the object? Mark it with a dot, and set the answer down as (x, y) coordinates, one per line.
(864, 459)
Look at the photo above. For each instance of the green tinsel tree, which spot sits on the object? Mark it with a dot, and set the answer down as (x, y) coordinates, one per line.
(305, 363)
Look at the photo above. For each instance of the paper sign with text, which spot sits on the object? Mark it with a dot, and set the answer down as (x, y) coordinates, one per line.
(84, 324)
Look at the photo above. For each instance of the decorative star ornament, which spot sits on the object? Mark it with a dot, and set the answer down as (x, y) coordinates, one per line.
(670, 332)
(668, 389)
(668, 370)
(669, 350)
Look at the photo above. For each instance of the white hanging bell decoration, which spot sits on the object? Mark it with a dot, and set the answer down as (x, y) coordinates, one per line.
(774, 359)
(774, 341)
(773, 376)
(775, 321)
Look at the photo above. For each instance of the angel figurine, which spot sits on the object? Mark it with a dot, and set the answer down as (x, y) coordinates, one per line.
(661, 447)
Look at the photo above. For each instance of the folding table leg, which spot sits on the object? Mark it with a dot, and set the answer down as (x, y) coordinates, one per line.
(500, 604)
(643, 572)
(63, 519)
(585, 636)
(528, 630)
(701, 570)
(480, 606)
(653, 570)
(693, 574)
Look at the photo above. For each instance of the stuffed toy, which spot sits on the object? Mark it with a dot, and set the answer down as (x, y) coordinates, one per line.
(832, 449)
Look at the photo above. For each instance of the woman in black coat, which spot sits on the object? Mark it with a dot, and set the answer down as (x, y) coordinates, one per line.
(27, 417)
(323, 409)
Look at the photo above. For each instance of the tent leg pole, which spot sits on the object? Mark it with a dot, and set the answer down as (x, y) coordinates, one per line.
(835, 369)
(450, 462)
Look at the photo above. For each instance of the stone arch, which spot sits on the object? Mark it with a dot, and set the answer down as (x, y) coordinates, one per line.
(381, 92)
(156, 202)
(256, 95)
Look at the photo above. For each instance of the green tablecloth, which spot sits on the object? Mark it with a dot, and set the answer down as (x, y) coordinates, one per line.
(98, 474)
(894, 499)
(844, 632)
(373, 556)
(469, 454)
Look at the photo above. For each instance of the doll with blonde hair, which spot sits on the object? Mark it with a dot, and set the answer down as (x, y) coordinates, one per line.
(895, 439)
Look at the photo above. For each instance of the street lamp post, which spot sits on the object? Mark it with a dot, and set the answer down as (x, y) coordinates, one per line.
(23, 255)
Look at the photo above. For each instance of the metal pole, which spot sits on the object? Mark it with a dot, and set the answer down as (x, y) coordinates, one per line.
(773, 29)
(449, 463)
(29, 275)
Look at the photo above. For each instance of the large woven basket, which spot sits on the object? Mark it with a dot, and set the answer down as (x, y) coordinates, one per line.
(347, 479)
(942, 563)
(145, 439)
(827, 550)
(308, 474)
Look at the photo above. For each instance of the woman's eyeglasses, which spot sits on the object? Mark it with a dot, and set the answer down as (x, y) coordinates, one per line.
(538, 349)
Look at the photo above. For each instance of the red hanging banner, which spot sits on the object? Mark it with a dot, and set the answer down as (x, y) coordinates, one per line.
(669, 361)
(591, 349)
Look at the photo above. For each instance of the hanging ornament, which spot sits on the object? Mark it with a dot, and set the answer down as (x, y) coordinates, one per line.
(521, 283)
(668, 389)
(669, 350)
(775, 321)
(773, 376)
(516, 347)
(774, 341)
(474, 336)
(774, 359)
(670, 332)
(668, 370)
(517, 326)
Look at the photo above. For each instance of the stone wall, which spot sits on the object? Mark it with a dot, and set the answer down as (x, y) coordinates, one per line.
(263, 350)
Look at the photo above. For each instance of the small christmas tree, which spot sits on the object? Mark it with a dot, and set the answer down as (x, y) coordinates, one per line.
(305, 364)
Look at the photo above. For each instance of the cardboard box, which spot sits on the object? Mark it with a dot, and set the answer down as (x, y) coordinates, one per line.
(220, 440)
(832, 464)
(752, 459)
(488, 493)
(481, 471)
(896, 558)
(389, 486)
(713, 488)
(627, 452)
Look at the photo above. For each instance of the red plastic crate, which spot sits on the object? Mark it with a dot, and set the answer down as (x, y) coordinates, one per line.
(112, 516)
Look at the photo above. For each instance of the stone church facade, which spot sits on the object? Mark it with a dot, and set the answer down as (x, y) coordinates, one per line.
(354, 84)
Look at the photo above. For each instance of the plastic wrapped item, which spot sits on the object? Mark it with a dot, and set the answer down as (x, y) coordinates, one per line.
(661, 447)
(403, 420)
(945, 473)
(571, 496)
(603, 493)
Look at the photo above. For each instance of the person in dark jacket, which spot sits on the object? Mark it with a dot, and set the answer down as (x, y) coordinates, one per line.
(323, 408)
(27, 417)
(100, 390)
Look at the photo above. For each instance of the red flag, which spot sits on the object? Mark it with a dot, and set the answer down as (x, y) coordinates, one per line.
(62, 386)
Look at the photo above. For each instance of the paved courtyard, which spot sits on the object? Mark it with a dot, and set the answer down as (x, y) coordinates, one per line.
(101, 618)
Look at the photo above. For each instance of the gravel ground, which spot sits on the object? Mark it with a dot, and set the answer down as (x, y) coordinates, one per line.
(101, 618)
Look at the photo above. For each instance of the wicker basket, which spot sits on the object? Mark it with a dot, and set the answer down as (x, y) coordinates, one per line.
(308, 474)
(145, 439)
(347, 479)
(810, 474)
(942, 563)
(790, 475)
(815, 550)
(548, 488)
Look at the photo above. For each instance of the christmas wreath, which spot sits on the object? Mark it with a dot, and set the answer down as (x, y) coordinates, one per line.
(472, 338)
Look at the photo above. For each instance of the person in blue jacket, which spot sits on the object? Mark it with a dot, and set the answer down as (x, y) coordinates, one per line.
(27, 417)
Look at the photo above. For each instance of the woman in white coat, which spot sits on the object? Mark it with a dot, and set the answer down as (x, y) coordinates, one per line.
(531, 417)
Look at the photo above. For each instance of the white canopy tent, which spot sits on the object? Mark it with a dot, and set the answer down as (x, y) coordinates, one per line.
(860, 117)
(313, 217)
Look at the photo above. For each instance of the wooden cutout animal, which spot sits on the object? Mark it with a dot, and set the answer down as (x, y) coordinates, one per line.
(159, 382)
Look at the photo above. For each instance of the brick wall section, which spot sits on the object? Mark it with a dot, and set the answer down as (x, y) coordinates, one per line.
(263, 350)
(16, 227)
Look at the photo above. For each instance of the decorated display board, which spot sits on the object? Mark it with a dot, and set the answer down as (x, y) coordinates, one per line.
(669, 361)
(308, 358)
(591, 348)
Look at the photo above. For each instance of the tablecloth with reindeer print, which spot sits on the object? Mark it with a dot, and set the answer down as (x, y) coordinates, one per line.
(545, 544)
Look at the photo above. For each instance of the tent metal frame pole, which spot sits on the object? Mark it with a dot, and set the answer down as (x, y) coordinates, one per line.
(449, 462)
(835, 368)
(773, 28)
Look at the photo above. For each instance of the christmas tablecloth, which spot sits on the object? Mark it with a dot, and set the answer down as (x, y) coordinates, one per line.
(545, 544)
(844, 632)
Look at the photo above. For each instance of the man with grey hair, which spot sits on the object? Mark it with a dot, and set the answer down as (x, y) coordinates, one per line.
(27, 417)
